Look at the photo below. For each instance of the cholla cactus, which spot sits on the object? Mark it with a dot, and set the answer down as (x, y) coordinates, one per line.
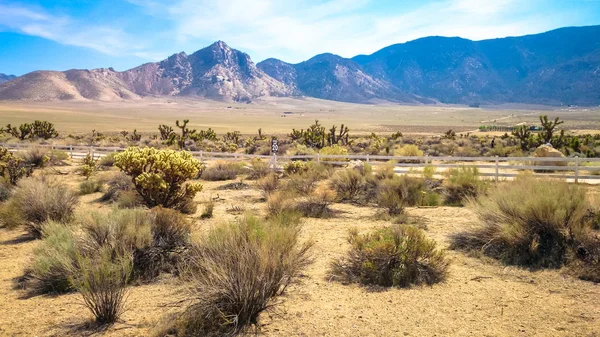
(159, 176)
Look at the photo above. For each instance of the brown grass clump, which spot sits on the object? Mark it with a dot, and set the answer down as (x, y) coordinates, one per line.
(117, 183)
(223, 170)
(397, 256)
(38, 200)
(317, 203)
(170, 228)
(36, 157)
(268, 184)
(279, 203)
(258, 169)
(349, 184)
(238, 271)
(532, 222)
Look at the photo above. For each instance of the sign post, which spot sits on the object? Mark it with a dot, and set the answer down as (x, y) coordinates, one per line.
(274, 150)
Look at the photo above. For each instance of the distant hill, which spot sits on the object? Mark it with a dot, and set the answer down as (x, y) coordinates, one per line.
(557, 67)
(6, 78)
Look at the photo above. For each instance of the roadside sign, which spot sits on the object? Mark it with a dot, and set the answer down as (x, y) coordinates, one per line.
(274, 146)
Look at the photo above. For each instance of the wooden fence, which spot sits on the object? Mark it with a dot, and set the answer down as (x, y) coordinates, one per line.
(575, 169)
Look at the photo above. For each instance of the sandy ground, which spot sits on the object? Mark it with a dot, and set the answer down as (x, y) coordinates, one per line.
(480, 298)
(268, 113)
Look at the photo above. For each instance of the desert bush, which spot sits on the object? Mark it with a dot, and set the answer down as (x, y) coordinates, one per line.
(57, 157)
(294, 167)
(36, 157)
(108, 160)
(409, 150)
(129, 199)
(160, 176)
(39, 200)
(280, 203)
(13, 168)
(258, 169)
(10, 216)
(268, 184)
(385, 171)
(398, 256)
(169, 228)
(90, 186)
(528, 222)
(207, 212)
(394, 194)
(335, 150)
(117, 184)
(316, 205)
(54, 261)
(350, 183)
(463, 183)
(5, 190)
(123, 231)
(102, 282)
(238, 271)
(223, 170)
(429, 171)
(89, 166)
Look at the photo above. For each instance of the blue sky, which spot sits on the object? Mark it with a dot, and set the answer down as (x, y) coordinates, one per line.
(65, 34)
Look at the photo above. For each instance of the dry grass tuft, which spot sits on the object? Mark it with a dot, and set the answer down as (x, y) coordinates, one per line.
(532, 222)
(238, 271)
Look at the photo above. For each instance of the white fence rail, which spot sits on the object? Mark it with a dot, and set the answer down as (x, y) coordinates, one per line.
(574, 169)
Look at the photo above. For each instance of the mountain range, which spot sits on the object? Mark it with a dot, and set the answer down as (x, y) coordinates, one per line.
(6, 78)
(557, 67)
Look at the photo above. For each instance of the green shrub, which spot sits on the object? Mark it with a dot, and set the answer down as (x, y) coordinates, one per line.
(398, 256)
(39, 200)
(258, 169)
(160, 176)
(10, 216)
(123, 231)
(57, 157)
(409, 150)
(463, 183)
(529, 222)
(90, 186)
(54, 261)
(89, 166)
(399, 192)
(108, 160)
(102, 282)
(238, 271)
(13, 168)
(335, 150)
(223, 170)
(429, 171)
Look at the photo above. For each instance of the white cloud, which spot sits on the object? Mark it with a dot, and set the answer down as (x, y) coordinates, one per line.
(289, 30)
(65, 30)
(297, 30)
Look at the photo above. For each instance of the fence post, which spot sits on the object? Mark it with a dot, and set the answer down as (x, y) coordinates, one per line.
(201, 155)
(274, 161)
(318, 158)
(576, 169)
(368, 160)
(497, 163)
(426, 160)
(71, 150)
